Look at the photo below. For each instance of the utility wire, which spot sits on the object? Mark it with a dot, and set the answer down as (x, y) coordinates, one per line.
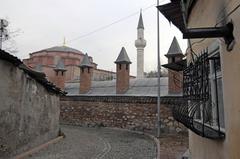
(228, 14)
(109, 25)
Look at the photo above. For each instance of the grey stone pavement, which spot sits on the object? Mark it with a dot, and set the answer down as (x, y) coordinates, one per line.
(99, 143)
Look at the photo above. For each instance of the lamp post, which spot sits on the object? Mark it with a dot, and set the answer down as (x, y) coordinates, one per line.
(159, 74)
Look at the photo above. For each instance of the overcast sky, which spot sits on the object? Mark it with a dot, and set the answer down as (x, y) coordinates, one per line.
(45, 23)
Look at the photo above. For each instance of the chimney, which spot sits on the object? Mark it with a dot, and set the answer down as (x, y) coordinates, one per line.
(86, 70)
(122, 69)
(59, 77)
(175, 78)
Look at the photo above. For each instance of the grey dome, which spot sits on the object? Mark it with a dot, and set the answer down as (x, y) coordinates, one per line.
(61, 49)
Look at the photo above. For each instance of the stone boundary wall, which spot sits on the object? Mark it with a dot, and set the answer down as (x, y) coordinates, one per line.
(129, 112)
(29, 113)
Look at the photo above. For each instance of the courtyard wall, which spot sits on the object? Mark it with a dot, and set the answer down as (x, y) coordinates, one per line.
(29, 112)
(128, 112)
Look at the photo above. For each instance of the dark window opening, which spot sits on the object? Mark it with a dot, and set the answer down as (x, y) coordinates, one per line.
(120, 66)
(127, 66)
(82, 69)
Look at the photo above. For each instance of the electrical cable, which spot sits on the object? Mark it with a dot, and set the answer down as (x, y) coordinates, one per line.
(110, 24)
(230, 13)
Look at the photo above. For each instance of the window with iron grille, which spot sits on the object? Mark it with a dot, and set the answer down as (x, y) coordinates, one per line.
(202, 88)
(215, 78)
(211, 111)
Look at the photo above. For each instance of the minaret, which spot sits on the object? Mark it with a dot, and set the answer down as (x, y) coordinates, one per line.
(140, 44)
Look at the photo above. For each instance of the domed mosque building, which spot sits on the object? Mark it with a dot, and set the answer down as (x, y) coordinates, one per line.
(77, 73)
(46, 61)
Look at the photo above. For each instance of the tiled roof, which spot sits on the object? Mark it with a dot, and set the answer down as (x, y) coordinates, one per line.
(123, 57)
(138, 87)
(38, 76)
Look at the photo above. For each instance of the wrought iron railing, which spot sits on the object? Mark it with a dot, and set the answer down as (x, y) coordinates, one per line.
(196, 111)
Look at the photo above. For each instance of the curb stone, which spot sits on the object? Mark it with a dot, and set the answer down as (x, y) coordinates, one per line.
(38, 148)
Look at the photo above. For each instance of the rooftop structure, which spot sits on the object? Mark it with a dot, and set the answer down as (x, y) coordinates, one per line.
(174, 48)
(137, 87)
(85, 62)
(123, 57)
(61, 49)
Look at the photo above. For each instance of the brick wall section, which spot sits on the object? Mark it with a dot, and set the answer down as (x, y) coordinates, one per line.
(86, 79)
(129, 112)
(122, 84)
(59, 79)
(175, 79)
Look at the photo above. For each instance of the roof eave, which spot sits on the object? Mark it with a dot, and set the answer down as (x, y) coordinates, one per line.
(174, 55)
(122, 62)
(172, 11)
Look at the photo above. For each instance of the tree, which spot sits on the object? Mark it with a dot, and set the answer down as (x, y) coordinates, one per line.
(7, 37)
(154, 74)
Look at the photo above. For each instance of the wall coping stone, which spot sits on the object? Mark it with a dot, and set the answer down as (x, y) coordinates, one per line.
(122, 99)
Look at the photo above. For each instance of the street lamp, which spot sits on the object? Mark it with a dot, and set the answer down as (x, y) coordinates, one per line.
(159, 74)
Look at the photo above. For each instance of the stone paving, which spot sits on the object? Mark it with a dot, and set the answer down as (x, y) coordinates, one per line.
(173, 146)
(99, 143)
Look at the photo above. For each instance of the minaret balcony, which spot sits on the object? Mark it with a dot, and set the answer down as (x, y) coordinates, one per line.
(140, 43)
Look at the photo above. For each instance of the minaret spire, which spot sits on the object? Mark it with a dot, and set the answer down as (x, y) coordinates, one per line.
(140, 44)
(140, 21)
(64, 41)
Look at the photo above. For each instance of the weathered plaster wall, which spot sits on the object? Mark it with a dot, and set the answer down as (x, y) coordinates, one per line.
(207, 13)
(129, 112)
(29, 114)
